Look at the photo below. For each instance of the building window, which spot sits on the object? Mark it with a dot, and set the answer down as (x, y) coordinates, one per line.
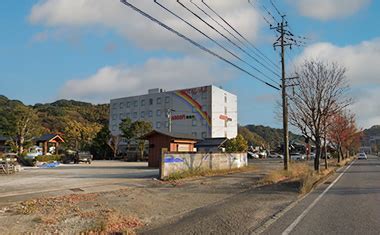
(204, 123)
(114, 127)
(128, 104)
(121, 116)
(167, 99)
(225, 123)
(158, 113)
(204, 135)
(150, 114)
(142, 114)
(150, 101)
(194, 110)
(135, 103)
(225, 99)
(128, 115)
(194, 134)
(204, 108)
(135, 115)
(204, 95)
(225, 110)
(121, 105)
(114, 117)
(167, 124)
(158, 125)
(158, 100)
(194, 122)
(142, 102)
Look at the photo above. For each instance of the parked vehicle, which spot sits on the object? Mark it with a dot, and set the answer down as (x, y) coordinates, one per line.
(297, 157)
(253, 155)
(83, 157)
(276, 155)
(263, 154)
(362, 156)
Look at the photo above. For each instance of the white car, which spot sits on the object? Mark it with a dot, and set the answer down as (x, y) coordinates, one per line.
(362, 156)
(276, 155)
(253, 155)
(297, 157)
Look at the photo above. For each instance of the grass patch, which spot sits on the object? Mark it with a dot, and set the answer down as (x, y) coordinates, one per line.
(300, 172)
(195, 173)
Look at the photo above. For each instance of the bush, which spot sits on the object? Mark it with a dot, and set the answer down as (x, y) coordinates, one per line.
(27, 161)
(49, 158)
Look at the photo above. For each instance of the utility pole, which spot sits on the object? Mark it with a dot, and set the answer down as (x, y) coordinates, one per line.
(169, 115)
(281, 42)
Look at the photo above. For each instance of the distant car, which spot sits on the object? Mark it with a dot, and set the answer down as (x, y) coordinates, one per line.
(253, 155)
(83, 157)
(297, 157)
(276, 155)
(263, 154)
(362, 156)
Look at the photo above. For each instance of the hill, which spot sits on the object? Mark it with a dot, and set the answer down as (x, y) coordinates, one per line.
(53, 117)
(264, 135)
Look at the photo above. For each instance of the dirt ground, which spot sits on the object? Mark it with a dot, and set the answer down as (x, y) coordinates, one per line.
(145, 207)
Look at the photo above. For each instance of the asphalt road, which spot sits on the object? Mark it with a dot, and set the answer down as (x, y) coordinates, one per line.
(348, 203)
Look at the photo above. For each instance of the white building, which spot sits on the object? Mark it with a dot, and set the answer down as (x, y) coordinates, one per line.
(204, 112)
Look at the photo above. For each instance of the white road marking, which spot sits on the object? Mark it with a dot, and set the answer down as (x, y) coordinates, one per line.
(304, 213)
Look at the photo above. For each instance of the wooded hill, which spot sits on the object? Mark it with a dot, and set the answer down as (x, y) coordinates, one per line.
(265, 135)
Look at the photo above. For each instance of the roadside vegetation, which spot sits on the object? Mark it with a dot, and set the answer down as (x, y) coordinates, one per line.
(191, 174)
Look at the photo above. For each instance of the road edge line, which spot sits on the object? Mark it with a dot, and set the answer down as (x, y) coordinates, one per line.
(306, 211)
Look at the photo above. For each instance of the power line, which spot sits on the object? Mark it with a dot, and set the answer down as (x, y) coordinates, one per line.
(266, 10)
(275, 7)
(221, 34)
(125, 2)
(213, 40)
(237, 32)
(234, 36)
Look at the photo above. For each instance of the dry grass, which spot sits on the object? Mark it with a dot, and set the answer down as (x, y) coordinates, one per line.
(299, 172)
(191, 174)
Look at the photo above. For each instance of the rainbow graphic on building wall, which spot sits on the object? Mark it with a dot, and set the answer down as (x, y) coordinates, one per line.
(194, 104)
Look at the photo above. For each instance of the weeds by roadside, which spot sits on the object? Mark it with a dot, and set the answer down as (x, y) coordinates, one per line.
(299, 172)
(191, 174)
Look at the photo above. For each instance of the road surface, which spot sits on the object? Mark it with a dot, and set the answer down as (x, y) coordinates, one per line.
(348, 203)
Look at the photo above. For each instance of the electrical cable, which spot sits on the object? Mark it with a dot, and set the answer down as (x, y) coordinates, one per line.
(221, 34)
(213, 40)
(239, 40)
(125, 2)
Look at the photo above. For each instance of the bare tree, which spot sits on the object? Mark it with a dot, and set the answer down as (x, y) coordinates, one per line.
(321, 92)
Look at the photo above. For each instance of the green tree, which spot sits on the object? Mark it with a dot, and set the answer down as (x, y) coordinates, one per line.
(79, 135)
(99, 147)
(139, 129)
(237, 145)
(23, 127)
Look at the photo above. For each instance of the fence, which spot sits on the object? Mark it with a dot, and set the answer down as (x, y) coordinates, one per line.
(180, 162)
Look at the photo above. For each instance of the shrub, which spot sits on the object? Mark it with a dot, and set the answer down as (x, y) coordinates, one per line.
(27, 161)
(49, 158)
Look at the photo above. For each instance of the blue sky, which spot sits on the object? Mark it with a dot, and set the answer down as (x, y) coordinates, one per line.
(98, 50)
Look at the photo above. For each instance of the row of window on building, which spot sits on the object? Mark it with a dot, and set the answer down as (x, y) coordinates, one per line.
(144, 114)
(143, 102)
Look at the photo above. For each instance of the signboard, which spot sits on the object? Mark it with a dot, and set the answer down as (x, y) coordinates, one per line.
(183, 148)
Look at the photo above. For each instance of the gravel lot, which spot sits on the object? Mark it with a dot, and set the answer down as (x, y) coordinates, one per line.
(99, 176)
(107, 196)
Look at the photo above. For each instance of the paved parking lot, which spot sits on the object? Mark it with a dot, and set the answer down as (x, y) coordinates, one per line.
(100, 175)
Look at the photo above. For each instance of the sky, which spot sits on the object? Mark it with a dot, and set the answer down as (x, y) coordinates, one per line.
(94, 51)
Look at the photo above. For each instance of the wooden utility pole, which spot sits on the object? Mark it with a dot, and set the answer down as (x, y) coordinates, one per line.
(280, 28)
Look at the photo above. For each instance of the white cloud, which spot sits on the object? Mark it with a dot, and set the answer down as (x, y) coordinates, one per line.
(112, 14)
(118, 81)
(363, 72)
(328, 9)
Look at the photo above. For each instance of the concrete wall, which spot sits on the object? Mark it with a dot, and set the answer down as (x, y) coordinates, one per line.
(178, 162)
